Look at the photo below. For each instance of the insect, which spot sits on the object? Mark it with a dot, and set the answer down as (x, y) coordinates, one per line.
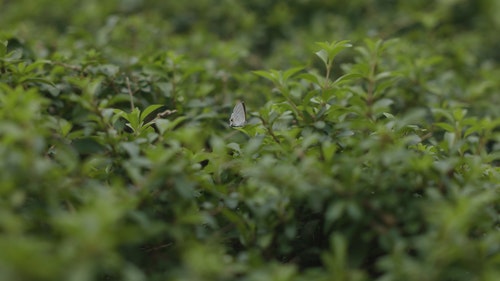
(238, 117)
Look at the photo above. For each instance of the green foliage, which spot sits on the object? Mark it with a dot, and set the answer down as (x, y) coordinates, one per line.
(373, 158)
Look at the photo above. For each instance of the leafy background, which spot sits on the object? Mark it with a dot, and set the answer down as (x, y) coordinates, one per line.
(371, 151)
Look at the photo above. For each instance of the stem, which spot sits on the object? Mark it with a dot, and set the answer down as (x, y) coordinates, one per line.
(269, 130)
(292, 104)
(327, 76)
(174, 85)
(130, 94)
(371, 88)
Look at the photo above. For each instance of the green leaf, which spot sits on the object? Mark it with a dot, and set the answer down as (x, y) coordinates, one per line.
(349, 77)
(459, 114)
(447, 127)
(134, 120)
(165, 125)
(382, 105)
(37, 80)
(310, 77)
(323, 55)
(33, 66)
(146, 112)
(290, 72)
(332, 49)
(266, 74)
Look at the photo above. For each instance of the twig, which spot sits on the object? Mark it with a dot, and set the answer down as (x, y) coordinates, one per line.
(269, 130)
(158, 247)
(166, 113)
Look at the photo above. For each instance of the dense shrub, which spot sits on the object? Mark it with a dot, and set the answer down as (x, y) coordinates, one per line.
(373, 158)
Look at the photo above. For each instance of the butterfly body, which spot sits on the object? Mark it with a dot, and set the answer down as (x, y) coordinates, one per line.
(238, 117)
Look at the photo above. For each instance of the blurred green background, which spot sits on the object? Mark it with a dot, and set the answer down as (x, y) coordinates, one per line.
(266, 30)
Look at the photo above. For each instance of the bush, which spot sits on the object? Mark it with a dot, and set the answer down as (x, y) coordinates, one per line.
(362, 159)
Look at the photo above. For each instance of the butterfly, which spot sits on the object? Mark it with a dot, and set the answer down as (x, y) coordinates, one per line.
(238, 117)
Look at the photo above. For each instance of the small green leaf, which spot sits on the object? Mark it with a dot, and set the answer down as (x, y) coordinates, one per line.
(323, 55)
(145, 113)
(36, 64)
(459, 114)
(37, 80)
(310, 77)
(445, 126)
(290, 72)
(470, 131)
(266, 74)
(382, 105)
(165, 125)
(346, 78)
(134, 120)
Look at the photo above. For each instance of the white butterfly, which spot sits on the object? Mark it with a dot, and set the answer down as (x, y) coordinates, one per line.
(238, 117)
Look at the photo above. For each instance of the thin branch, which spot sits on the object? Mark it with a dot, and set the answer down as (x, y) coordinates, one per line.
(158, 247)
(269, 130)
(167, 112)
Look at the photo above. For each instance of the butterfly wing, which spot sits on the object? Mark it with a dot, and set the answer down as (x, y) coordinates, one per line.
(238, 117)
